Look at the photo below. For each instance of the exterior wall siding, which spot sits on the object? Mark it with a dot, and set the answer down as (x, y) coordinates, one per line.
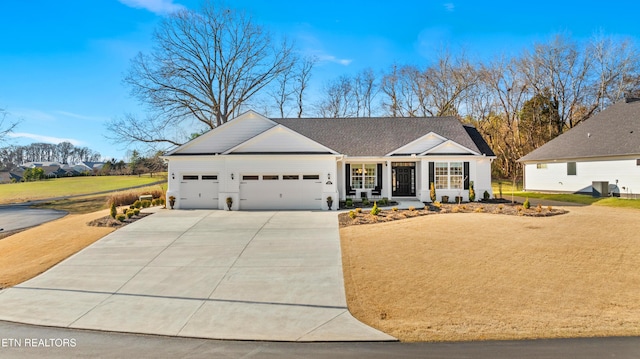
(554, 177)
(229, 135)
(428, 142)
(280, 140)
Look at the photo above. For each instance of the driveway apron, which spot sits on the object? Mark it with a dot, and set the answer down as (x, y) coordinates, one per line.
(209, 274)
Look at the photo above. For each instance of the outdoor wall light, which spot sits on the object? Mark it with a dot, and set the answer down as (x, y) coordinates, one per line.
(329, 176)
(173, 175)
(232, 176)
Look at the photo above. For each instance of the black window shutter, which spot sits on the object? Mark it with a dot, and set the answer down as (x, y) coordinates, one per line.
(466, 175)
(347, 177)
(432, 174)
(379, 176)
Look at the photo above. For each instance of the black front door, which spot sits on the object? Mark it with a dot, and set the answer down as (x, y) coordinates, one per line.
(404, 181)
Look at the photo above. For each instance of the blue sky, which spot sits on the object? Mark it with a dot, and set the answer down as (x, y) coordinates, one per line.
(62, 61)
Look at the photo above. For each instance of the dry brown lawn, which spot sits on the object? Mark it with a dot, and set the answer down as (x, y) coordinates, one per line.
(33, 251)
(477, 276)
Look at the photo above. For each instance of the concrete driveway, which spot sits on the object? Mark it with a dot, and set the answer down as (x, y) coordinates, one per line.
(207, 274)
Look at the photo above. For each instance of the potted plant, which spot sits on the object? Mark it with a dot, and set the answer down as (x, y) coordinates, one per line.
(172, 201)
(445, 199)
(329, 202)
(229, 202)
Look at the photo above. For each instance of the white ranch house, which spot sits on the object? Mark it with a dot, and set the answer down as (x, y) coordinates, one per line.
(263, 163)
(603, 148)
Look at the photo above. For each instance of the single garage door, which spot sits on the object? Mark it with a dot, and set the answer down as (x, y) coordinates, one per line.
(199, 191)
(280, 191)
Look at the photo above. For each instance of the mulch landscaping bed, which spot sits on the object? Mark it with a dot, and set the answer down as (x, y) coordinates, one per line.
(108, 221)
(496, 207)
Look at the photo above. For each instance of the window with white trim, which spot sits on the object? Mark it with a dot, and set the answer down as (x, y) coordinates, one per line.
(363, 176)
(449, 175)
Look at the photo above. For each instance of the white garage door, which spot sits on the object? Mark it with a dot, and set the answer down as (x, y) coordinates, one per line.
(199, 191)
(280, 191)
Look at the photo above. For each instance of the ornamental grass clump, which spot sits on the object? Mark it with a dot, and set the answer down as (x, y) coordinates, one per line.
(395, 209)
(358, 210)
(352, 214)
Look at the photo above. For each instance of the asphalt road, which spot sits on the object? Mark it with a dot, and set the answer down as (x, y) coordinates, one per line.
(38, 342)
(14, 217)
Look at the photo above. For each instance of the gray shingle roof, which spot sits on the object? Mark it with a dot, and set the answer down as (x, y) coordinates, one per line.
(379, 136)
(612, 132)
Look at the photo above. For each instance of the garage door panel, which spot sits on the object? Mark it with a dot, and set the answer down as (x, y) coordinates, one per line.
(280, 194)
(199, 193)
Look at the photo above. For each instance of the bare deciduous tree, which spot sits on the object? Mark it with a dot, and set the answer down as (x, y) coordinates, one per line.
(338, 100)
(204, 67)
(6, 127)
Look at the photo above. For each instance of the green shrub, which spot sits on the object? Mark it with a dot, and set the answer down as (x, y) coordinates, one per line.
(146, 203)
(124, 210)
(485, 195)
(375, 210)
(348, 202)
(121, 217)
(136, 211)
(129, 213)
(432, 192)
(526, 204)
(384, 201)
(472, 192)
(365, 202)
(113, 211)
(137, 203)
(132, 207)
(352, 214)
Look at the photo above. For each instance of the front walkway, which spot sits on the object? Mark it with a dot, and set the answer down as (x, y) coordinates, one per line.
(208, 274)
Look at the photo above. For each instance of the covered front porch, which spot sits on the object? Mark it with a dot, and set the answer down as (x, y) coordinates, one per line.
(405, 178)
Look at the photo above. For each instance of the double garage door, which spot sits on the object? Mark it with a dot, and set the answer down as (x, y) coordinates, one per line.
(199, 191)
(280, 191)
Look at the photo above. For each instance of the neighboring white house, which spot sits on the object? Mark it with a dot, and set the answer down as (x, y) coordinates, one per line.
(264, 163)
(603, 148)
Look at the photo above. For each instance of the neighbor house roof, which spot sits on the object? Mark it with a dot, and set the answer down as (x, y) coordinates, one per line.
(379, 136)
(612, 132)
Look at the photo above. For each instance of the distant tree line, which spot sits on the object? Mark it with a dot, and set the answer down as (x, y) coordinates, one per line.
(63, 153)
(211, 64)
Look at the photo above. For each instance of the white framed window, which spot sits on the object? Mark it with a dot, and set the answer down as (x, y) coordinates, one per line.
(363, 175)
(571, 169)
(449, 175)
(442, 175)
(541, 166)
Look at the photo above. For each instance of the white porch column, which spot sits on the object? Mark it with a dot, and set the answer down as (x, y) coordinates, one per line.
(387, 189)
